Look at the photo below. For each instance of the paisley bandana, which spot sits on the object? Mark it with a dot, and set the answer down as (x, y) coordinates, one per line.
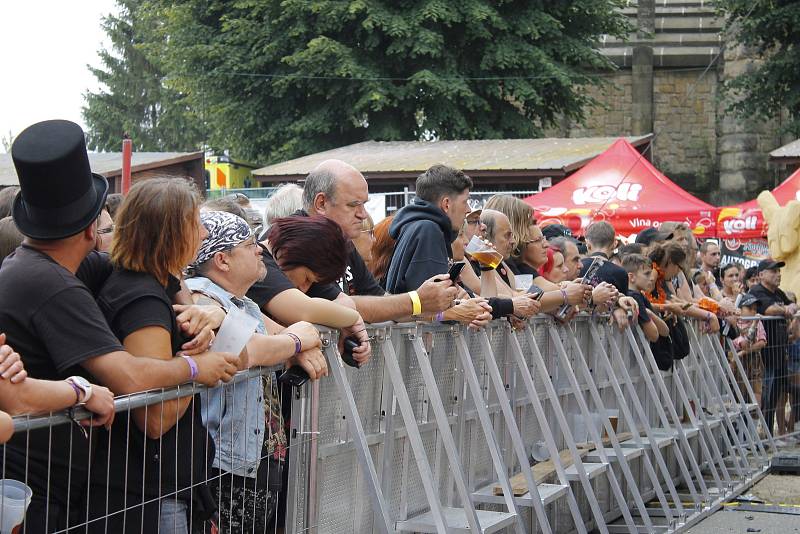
(225, 231)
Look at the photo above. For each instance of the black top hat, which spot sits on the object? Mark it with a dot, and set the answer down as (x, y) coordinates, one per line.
(60, 196)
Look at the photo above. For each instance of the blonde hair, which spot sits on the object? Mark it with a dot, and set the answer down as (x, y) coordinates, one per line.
(156, 229)
(519, 214)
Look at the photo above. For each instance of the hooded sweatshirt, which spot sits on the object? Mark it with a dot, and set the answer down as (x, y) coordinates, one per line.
(423, 234)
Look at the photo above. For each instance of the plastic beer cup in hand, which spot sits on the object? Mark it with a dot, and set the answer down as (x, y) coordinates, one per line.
(483, 253)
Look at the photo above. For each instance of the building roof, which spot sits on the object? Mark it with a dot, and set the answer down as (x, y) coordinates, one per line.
(396, 159)
(790, 151)
(109, 164)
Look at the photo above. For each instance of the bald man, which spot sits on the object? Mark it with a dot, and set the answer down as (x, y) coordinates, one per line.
(339, 191)
(498, 231)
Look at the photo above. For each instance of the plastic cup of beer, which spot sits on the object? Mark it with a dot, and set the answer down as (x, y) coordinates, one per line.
(14, 500)
(484, 254)
(523, 281)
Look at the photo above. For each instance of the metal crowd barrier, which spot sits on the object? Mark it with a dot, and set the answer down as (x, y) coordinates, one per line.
(440, 430)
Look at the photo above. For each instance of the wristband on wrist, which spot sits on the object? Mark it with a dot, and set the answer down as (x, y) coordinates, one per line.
(192, 367)
(298, 346)
(439, 316)
(76, 389)
(416, 304)
(564, 295)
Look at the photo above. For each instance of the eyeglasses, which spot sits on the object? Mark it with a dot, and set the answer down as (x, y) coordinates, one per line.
(250, 243)
(106, 230)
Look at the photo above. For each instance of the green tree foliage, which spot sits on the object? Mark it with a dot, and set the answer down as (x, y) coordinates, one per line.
(276, 79)
(135, 98)
(771, 28)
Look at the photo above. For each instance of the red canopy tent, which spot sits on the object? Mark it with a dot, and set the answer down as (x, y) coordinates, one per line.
(745, 220)
(620, 186)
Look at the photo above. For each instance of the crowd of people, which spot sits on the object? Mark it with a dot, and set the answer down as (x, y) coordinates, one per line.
(105, 295)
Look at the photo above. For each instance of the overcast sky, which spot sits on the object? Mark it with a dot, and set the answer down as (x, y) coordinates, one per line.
(45, 46)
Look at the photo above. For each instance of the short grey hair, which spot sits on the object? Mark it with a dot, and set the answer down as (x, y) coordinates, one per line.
(489, 218)
(286, 200)
(600, 234)
(320, 180)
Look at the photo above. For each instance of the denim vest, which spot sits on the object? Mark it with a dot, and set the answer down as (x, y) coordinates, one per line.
(233, 414)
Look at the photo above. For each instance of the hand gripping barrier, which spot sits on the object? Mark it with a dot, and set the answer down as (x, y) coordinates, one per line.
(438, 433)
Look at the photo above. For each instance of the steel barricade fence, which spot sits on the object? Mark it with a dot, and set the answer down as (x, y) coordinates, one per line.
(453, 420)
(551, 428)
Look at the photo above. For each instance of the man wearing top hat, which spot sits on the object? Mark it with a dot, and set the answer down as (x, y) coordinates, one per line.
(774, 302)
(50, 316)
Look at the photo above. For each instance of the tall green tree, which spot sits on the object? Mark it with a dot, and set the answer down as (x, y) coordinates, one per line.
(771, 29)
(281, 78)
(134, 97)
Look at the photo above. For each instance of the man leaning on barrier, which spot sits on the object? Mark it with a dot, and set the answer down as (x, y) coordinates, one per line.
(50, 316)
(244, 419)
(339, 192)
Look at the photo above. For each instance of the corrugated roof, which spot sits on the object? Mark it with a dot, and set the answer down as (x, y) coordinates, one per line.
(792, 150)
(108, 163)
(550, 154)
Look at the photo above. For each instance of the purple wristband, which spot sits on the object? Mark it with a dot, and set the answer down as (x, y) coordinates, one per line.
(77, 390)
(564, 295)
(192, 367)
(298, 347)
(439, 316)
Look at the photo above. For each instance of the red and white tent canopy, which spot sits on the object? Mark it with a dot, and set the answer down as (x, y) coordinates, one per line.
(620, 186)
(745, 220)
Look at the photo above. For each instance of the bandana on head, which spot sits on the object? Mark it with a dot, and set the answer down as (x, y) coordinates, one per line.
(225, 231)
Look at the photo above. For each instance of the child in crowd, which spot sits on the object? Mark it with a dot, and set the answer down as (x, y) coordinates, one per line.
(641, 279)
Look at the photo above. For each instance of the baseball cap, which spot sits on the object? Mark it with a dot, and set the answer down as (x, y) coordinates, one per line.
(648, 235)
(748, 299)
(769, 264)
(552, 231)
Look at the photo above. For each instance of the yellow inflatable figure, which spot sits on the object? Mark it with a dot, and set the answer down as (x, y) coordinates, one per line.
(784, 237)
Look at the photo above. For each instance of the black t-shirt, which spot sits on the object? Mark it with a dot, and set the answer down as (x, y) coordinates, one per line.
(358, 279)
(524, 268)
(94, 270)
(273, 284)
(608, 272)
(51, 319)
(131, 301)
(643, 304)
(774, 354)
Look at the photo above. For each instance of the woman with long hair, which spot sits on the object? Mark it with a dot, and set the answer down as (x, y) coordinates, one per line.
(153, 457)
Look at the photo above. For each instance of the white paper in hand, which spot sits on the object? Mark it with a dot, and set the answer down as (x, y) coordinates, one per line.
(235, 332)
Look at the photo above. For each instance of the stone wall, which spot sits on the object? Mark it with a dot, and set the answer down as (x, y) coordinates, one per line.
(684, 121)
